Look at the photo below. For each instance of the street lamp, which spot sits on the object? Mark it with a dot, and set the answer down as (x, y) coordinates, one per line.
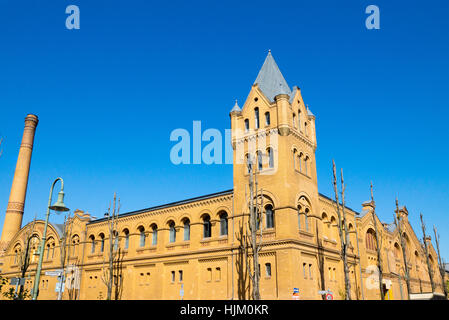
(59, 206)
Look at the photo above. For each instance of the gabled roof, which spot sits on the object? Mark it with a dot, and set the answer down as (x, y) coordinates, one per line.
(270, 79)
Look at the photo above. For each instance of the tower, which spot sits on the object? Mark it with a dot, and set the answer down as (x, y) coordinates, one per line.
(277, 130)
(16, 203)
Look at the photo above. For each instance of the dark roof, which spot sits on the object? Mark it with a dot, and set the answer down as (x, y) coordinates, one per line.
(168, 205)
(270, 79)
(324, 196)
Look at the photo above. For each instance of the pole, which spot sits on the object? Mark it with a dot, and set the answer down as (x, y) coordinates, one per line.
(42, 245)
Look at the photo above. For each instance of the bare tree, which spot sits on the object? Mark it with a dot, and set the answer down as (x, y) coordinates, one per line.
(426, 250)
(342, 229)
(24, 258)
(112, 273)
(398, 224)
(64, 249)
(440, 262)
(250, 245)
(378, 246)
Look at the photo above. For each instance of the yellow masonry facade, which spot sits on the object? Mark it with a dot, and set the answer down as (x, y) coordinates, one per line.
(191, 249)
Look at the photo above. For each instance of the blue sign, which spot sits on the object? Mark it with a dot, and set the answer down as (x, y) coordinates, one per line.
(295, 290)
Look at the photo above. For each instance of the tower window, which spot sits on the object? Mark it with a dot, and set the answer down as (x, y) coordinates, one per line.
(269, 216)
(246, 125)
(268, 269)
(256, 117)
(259, 161)
(294, 120)
(267, 118)
(270, 158)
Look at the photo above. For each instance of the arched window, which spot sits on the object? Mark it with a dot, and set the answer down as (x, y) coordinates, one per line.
(299, 217)
(306, 165)
(268, 269)
(207, 227)
(299, 161)
(171, 225)
(126, 233)
(269, 216)
(370, 240)
(247, 163)
(326, 225)
(142, 236)
(256, 118)
(92, 244)
(186, 229)
(267, 118)
(48, 251)
(299, 120)
(333, 226)
(154, 234)
(101, 242)
(294, 158)
(259, 161)
(116, 239)
(397, 251)
(224, 224)
(246, 125)
(294, 120)
(306, 129)
(270, 157)
(306, 219)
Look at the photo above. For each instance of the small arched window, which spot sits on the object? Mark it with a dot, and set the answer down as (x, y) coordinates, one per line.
(186, 229)
(224, 224)
(269, 213)
(370, 240)
(306, 130)
(299, 120)
(142, 237)
(270, 157)
(294, 120)
(256, 118)
(306, 165)
(126, 233)
(246, 125)
(299, 161)
(207, 227)
(154, 234)
(172, 229)
(267, 118)
(299, 217)
(306, 219)
(294, 158)
(397, 251)
(92, 244)
(101, 242)
(259, 161)
(115, 238)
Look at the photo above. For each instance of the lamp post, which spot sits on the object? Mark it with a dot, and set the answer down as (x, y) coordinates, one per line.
(59, 206)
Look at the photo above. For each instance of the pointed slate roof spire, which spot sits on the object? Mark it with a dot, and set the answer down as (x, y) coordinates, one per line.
(270, 79)
(236, 107)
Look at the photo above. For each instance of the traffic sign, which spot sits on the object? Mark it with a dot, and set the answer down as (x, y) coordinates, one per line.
(54, 273)
(329, 296)
(17, 281)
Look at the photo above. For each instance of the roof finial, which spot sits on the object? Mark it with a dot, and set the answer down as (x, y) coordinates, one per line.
(269, 51)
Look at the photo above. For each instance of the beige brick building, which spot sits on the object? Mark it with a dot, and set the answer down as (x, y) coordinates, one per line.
(194, 244)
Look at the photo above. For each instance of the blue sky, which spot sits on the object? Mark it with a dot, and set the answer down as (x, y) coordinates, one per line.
(109, 95)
